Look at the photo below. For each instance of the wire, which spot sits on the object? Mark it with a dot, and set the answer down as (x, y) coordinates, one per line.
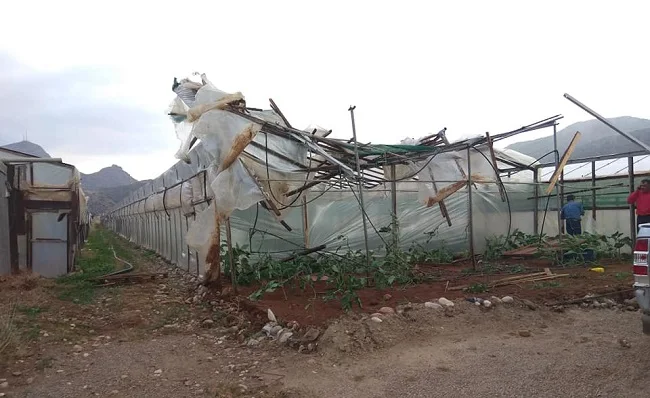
(505, 191)
(366, 215)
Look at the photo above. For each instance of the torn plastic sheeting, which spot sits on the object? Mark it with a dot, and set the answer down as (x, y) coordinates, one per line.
(173, 197)
(186, 198)
(149, 204)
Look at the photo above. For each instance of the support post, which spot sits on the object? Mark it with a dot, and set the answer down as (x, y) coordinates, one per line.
(233, 271)
(593, 192)
(557, 189)
(305, 221)
(562, 231)
(469, 213)
(360, 181)
(393, 194)
(536, 204)
(630, 173)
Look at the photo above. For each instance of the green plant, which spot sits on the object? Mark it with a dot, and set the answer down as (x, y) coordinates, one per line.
(477, 288)
(622, 275)
(97, 261)
(546, 285)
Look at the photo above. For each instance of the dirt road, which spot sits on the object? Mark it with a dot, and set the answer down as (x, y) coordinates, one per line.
(160, 339)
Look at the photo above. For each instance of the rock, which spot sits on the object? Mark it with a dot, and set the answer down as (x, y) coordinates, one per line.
(271, 316)
(387, 297)
(253, 342)
(447, 303)
(30, 380)
(386, 310)
(558, 308)
(284, 336)
(275, 330)
(157, 372)
(477, 303)
(17, 374)
(376, 319)
(524, 333)
(114, 392)
(631, 308)
(4, 385)
(507, 299)
(584, 305)
(77, 348)
(311, 335)
(86, 355)
(207, 323)
(531, 306)
(495, 300)
(624, 343)
(196, 299)
(631, 301)
(487, 303)
(376, 314)
(431, 305)
(233, 329)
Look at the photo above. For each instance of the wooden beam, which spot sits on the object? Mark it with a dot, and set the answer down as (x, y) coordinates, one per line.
(563, 162)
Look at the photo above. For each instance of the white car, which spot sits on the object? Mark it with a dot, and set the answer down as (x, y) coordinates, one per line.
(640, 271)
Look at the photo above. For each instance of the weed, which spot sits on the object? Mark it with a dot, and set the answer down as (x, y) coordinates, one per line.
(78, 286)
(623, 275)
(477, 288)
(30, 312)
(547, 285)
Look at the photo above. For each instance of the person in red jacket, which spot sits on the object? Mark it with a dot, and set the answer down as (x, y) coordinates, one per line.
(641, 199)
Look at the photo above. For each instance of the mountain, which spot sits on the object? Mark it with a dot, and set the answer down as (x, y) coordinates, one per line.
(597, 139)
(108, 177)
(104, 189)
(29, 148)
(105, 199)
(107, 187)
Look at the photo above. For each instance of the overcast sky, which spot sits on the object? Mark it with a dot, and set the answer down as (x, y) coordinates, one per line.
(90, 82)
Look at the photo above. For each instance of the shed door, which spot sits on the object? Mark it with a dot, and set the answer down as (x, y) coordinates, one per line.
(49, 244)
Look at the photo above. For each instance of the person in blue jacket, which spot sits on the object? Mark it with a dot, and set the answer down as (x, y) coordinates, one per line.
(572, 213)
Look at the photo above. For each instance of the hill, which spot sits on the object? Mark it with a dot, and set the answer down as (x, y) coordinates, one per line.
(104, 188)
(108, 177)
(29, 148)
(597, 139)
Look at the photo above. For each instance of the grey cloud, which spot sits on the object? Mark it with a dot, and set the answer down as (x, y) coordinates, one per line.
(61, 112)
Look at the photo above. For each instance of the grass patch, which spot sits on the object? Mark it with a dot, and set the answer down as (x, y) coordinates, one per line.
(95, 261)
(547, 285)
(621, 276)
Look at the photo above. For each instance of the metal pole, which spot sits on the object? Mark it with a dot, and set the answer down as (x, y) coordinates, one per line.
(602, 119)
(305, 221)
(557, 188)
(593, 192)
(360, 180)
(562, 195)
(233, 272)
(470, 217)
(393, 194)
(630, 172)
(536, 204)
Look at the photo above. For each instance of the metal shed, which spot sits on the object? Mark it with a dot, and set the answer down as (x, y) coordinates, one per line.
(47, 216)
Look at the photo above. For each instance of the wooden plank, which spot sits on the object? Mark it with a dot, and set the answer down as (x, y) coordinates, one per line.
(443, 206)
(565, 158)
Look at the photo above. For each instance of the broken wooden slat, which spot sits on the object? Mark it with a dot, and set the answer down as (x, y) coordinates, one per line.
(563, 162)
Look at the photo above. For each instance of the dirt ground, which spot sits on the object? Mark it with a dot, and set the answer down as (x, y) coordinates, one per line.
(165, 338)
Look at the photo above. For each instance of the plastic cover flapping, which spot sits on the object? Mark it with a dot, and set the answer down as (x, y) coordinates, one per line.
(235, 177)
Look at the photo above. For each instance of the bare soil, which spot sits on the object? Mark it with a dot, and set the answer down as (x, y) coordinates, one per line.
(166, 338)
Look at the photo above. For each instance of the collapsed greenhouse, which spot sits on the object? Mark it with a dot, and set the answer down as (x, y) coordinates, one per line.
(248, 178)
